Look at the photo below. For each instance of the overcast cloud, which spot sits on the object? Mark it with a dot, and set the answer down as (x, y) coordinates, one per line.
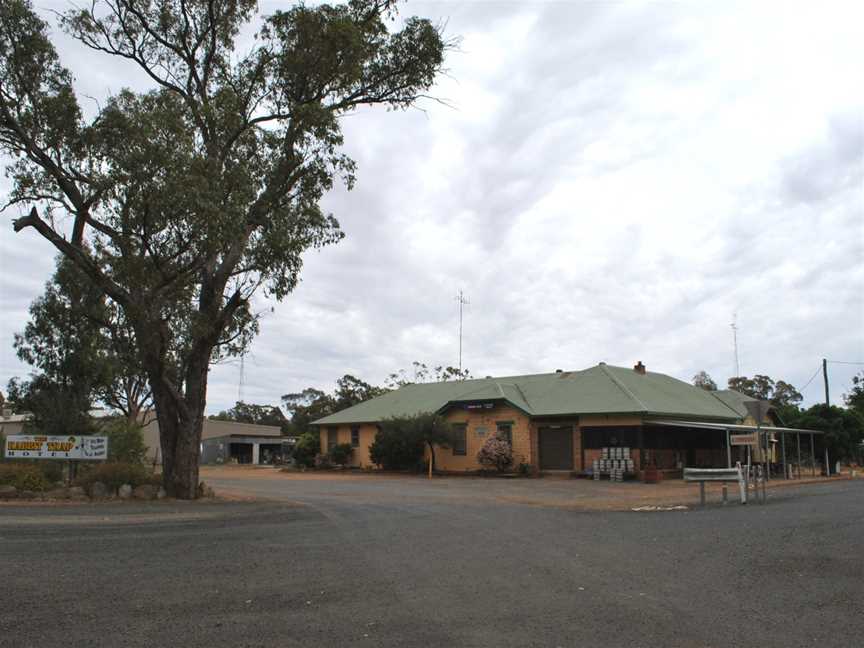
(612, 182)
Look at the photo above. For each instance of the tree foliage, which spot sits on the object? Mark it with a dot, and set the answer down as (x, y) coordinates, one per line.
(307, 447)
(179, 203)
(254, 414)
(843, 428)
(855, 398)
(420, 373)
(312, 404)
(400, 441)
(82, 348)
(764, 388)
(704, 381)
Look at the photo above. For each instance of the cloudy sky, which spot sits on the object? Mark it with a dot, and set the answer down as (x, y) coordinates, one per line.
(611, 182)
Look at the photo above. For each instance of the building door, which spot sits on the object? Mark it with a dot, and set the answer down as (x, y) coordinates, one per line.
(556, 447)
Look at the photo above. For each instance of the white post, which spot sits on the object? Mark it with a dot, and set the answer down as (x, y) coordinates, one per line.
(255, 454)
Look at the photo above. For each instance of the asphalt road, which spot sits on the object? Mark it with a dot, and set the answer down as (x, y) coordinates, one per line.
(394, 563)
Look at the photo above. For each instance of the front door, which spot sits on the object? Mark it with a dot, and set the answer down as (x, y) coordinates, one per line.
(556, 447)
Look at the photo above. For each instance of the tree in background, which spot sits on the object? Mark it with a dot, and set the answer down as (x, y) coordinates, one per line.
(421, 374)
(704, 381)
(183, 201)
(780, 394)
(83, 351)
(855, 398)
(843, 428)
(312, 404)
(400, 441)
(254, 414)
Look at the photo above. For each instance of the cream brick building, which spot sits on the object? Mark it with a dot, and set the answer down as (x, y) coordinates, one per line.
(561, 421)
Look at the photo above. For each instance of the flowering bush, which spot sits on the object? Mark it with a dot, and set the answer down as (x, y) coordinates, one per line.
(496, 453)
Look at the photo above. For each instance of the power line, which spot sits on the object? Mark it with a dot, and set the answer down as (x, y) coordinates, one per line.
(815, 373)
(845, 362)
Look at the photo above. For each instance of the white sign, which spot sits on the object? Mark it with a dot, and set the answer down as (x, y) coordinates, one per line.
(85, 448)
(743, 439)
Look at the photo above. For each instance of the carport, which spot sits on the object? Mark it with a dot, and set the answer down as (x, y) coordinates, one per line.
(723, 434)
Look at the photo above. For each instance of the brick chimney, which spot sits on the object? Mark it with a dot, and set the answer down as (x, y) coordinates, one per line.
(639, 368)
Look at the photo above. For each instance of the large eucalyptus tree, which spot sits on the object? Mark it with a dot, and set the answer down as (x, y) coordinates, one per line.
(181, 202)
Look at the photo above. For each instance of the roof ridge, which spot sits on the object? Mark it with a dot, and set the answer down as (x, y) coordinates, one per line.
(714, 393)
(622, 387)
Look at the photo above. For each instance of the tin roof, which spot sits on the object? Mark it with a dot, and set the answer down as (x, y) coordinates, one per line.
(601, 389)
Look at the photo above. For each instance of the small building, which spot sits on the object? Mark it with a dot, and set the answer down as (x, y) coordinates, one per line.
(228, 442)
(561, 421)
(12, 423)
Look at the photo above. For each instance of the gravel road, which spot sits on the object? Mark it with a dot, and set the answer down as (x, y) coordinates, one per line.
(391, 562)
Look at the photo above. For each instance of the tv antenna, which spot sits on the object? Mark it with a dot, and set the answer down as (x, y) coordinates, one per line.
(241, 388)
(463, 301)
(735, 343)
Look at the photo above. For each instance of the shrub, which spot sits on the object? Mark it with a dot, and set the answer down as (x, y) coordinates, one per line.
(496, 453)
(322, 460)
(115, 474)
(394, 450)
(307, 446)
(23, 477)
(340, 454)
(125, 441)
(400, 441)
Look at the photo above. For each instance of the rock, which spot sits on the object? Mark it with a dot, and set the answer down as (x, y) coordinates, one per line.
(98, 490)
(77, 493)
(161, 493)
(57, 493)
(8, 492)
(144, 492)
(205, 491)
(124, 492)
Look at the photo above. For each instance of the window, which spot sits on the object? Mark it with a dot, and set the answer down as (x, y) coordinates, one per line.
(505, 431)
(460, 442)
(355, 436)
(332, 437)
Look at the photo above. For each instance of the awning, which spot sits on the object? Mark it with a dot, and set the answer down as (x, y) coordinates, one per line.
(732, 427)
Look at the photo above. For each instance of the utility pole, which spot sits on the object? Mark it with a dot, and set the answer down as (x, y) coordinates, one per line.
(463, 301)
(735, 342)
(825, 376)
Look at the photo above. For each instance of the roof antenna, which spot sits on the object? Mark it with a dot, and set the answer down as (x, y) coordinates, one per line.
(735, 343)
(463, 301)
(241, 388)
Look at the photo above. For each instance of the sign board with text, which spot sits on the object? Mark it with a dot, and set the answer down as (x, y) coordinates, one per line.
(743, 439)
(34, 446)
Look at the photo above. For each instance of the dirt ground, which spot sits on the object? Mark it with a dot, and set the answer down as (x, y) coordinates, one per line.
(585, 494)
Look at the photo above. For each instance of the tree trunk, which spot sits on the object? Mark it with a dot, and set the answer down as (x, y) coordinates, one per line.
(180, 417)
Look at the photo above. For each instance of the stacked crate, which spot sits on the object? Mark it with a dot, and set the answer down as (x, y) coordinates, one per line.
(614, 461)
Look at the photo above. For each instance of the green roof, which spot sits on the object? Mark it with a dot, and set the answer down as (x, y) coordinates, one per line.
(734, 399)
(602, 389)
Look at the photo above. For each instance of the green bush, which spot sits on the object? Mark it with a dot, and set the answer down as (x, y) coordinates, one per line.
(307, 446)
(401, 441)
(125, 441)
(393, 449)
(23, 477)
(115, 474)
(340, 454)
